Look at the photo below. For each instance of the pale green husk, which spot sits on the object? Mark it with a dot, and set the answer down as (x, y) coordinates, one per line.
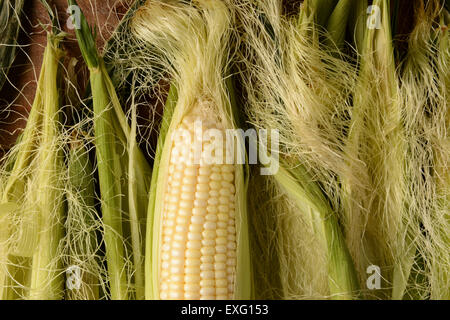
(124, 177)
(31, 265)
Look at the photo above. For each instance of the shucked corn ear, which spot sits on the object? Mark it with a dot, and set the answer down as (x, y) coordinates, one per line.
(123, 172)
(197, 210)
(197, 237)
(198, 233)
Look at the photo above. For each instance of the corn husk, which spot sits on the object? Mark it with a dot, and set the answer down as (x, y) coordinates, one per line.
(34, 186)
(82, 225)
(337, 23)
(295, 84)
(376, 211)
(124, 176)
(424, 92)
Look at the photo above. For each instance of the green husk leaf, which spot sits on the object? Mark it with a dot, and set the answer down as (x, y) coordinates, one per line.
(169, 109)
(123, 170)
(343, 283)
(358, 23)
(46, 278)
(320, 9)
(108, 151)
(337, 23)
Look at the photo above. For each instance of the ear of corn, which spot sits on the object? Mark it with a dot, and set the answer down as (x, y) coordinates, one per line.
(199, 239)
(289, 88)
(46, 279)
(376, 211)
(195, 241)
(310, 200)
(199, 231)
(30, 251)
(123, 171)
(424, 91)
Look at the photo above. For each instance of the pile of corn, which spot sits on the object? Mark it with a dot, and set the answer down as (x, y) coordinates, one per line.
(347, 198)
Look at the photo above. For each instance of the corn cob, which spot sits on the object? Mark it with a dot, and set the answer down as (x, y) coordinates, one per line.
(195, 239)
(198, 254)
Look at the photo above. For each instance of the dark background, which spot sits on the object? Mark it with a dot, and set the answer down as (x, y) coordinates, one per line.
(19, 93)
